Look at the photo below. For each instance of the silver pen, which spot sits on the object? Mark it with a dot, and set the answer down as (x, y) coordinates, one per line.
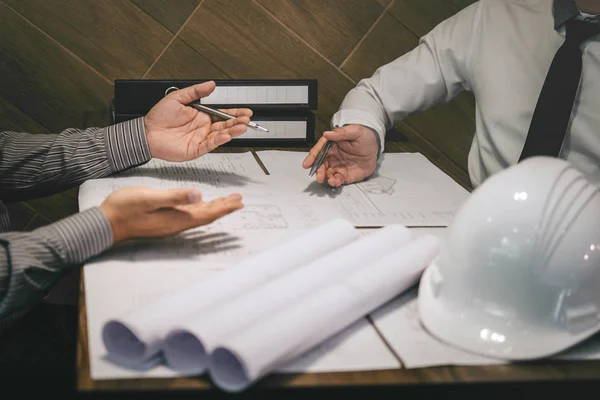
(320, 158)
(223, 115)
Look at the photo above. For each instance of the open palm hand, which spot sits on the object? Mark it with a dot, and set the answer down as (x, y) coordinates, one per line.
(177, 132)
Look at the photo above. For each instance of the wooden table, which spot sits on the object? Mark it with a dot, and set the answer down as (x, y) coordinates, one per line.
(543, 373)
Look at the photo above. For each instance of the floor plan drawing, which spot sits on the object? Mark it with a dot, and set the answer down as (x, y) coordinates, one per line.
(378, 185)
(260, 217)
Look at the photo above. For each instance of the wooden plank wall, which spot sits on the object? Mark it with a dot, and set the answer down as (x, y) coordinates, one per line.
(58, 60)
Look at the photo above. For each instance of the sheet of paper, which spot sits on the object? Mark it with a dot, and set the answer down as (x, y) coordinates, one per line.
(270, 214)
(215, 173)
(262, 346)
(398, 322)
(221, 164)
(407, 189)
(355, 348)
(194, 337)
(285, 162)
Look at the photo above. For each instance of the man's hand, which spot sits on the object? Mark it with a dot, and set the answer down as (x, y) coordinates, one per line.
(177, 132)
(143, 212)
(352, 157)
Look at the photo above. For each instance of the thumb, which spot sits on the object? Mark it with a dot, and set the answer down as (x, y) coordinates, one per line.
(348, 132)
(192, 93)
(174, 197)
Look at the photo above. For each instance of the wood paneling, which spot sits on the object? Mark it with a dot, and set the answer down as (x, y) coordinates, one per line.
(37, 222)
(181, 61)
(42, 80)
(170, 13)
(421, 16)
(20, 215)
(265, 50)
(332, 27)
(387, 41)
(114, 37)
(55, 207)
(337, 42)
(13, 119)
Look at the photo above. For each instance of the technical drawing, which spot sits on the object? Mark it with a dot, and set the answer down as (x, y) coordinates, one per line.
(378, 185)
(259, 217)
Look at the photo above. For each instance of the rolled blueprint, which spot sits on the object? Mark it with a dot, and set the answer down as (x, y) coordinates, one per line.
(186, 348)
(136, 337)
(253, 352)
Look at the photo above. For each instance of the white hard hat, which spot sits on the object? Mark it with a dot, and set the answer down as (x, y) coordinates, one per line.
(518, 276)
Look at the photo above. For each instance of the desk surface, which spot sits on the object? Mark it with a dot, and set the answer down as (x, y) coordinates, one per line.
(531, 372)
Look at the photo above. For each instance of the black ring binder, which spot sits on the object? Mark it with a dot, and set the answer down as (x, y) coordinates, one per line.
(135, 97)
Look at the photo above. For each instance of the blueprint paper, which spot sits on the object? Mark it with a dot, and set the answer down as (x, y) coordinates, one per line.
(133, 275)
(406, 189)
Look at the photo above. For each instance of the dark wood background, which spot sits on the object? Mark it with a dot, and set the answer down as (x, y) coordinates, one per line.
(59, 58)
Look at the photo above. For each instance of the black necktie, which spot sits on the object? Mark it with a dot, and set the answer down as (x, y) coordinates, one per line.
(555, 104)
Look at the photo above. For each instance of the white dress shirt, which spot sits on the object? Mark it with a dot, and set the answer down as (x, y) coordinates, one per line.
(500, 50)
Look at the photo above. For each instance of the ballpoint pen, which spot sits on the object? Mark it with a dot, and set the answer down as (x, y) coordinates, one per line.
(320, 158)
(223, 115)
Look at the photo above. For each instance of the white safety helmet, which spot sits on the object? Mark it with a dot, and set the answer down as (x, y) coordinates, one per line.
(518, 276)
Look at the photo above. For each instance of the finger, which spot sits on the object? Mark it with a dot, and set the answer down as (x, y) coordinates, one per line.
(216, 139)
(215, 209)
(222, 125)
(313, 153)
(172, 197)
(335, 179)
(349, 132)
(223, 206)
(192, 93)
(232, 200)
(322, 171)
(238, 112)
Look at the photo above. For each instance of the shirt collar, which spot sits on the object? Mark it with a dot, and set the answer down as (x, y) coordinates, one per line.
(563, 11)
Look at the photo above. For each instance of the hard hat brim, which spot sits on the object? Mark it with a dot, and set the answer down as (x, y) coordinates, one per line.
(479, 334)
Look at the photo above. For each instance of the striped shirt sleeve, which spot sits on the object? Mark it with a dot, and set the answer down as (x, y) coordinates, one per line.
(39, 165)
(31, 262)
(34, 165)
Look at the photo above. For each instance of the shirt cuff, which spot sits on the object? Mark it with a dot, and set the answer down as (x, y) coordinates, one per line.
(81, 236)
(359, 117)
(127, 145)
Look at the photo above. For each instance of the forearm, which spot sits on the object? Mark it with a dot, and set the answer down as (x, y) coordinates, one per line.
(30, 263)
(33, 165)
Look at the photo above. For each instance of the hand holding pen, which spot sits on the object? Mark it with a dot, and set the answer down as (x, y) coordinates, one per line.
(177, 132)
(343, 155)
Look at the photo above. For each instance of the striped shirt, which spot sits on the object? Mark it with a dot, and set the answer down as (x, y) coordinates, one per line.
(37, 165)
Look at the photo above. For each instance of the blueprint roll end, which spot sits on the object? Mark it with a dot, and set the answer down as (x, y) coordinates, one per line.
(227, 370)
(184, 353)
(122, 342)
